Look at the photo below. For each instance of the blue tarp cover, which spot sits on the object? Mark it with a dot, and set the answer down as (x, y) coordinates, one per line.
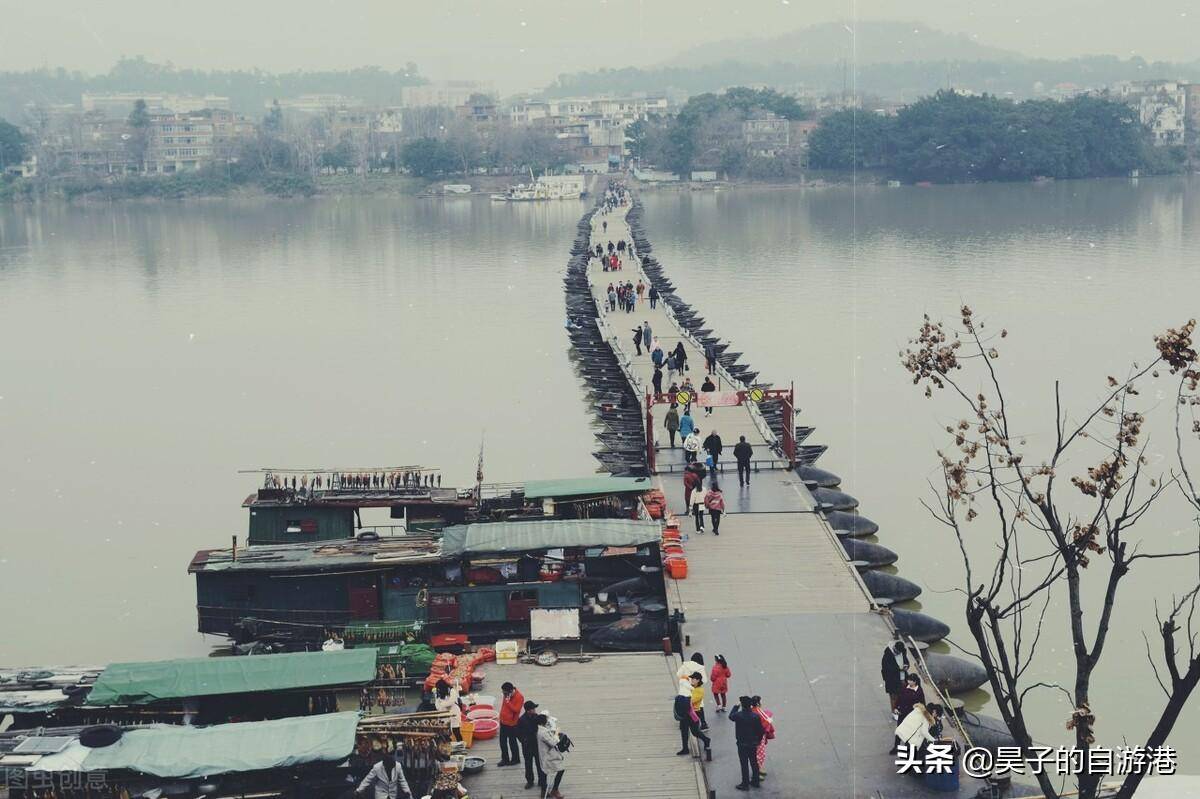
(153, 681)
(165, 750)
(524, 536)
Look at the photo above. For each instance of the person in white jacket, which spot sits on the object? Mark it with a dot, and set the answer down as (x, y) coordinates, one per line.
(446, 698)
(690, 667)
(914, 729)
(387, 778)
(553, 760)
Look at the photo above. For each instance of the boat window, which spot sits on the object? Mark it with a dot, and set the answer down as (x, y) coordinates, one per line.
(301, 525)
(522, 596)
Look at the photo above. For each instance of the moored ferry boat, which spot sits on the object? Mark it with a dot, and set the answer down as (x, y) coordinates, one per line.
(459, 564)
(547, 187)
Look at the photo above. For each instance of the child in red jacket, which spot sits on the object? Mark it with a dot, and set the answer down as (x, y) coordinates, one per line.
(719, 683)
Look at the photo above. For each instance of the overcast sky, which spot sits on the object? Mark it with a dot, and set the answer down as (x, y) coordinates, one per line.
(525, 44)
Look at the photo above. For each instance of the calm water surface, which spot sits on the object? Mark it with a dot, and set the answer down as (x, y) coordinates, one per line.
(148, 352)
(831, 284)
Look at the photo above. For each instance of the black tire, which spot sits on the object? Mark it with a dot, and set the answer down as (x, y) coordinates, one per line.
(100, 736)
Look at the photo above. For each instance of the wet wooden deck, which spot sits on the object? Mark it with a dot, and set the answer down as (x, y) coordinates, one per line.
(617, 711)
(764, 564)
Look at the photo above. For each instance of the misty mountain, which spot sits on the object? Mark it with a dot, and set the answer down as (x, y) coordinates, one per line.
(868, 42)
(902, 81)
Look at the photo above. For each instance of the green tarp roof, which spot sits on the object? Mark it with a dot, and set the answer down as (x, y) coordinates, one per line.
(186, 752)
(142, 683)
(500, 537)
(583, 486)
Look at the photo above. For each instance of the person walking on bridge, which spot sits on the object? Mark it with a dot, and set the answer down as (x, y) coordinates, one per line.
(681, 356)
(686, 424)
(893, 667)
(691, 444)
(710, 358)
(689, 721)
(768, 725)
(645, 329)
(743, 452)
(713, 446)
(637, 338)
(714, 500)
(672, 422)
(527, 729)
(604, 225)
(691, 483)
(656, 381)
(707, 387)
(719, 680)
(748, 731)
(510, 713)
(653, 295)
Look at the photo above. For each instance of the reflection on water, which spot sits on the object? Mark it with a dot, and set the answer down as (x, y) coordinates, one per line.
(833, 282)
(149, 351)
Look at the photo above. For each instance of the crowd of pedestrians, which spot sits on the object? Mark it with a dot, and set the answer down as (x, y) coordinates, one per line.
(528, 736)
(754, 725)
(918, 723)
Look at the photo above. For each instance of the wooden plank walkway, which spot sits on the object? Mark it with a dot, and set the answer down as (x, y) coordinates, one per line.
(764, 564)
(617, 710)
(730, 422)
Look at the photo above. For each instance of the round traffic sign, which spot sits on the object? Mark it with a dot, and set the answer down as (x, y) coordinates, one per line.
(756, 395)
(683, 397)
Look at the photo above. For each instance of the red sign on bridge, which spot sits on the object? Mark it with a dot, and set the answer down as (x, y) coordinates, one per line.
(718, 399)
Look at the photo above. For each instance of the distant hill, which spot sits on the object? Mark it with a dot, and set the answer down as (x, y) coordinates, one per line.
(874, 42)
(900, 80)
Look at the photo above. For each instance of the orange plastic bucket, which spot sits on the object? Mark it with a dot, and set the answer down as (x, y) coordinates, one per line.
(468, 732)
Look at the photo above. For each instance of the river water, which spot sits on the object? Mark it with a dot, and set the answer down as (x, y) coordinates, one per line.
(149, 352)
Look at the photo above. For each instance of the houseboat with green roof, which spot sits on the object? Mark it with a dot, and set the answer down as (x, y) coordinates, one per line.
(473, 562)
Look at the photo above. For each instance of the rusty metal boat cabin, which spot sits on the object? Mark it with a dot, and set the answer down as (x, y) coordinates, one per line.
(474, 562)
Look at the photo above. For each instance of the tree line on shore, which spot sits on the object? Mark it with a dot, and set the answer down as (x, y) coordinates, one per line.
(947, 137)
(955, 138)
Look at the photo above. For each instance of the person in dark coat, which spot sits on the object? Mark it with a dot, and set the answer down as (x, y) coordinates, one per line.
(911, 695)
(743, 452)
(653, 297)
(527, 733)
(713, 446)
(681, 357)
(710, 358)
(893, 668)
(637, 338)
(672, 423)
(708, 386)
(748, 731)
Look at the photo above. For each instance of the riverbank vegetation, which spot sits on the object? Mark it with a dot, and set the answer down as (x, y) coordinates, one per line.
(708, 133)
(1056, 517)
(955, 138)
(248, 90)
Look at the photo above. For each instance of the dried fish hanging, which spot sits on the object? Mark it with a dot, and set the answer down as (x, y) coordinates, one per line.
(420, 742)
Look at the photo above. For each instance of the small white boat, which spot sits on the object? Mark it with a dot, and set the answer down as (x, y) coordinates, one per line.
(547, 187)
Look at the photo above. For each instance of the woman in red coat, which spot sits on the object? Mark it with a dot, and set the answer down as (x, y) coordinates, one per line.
(718, 682)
